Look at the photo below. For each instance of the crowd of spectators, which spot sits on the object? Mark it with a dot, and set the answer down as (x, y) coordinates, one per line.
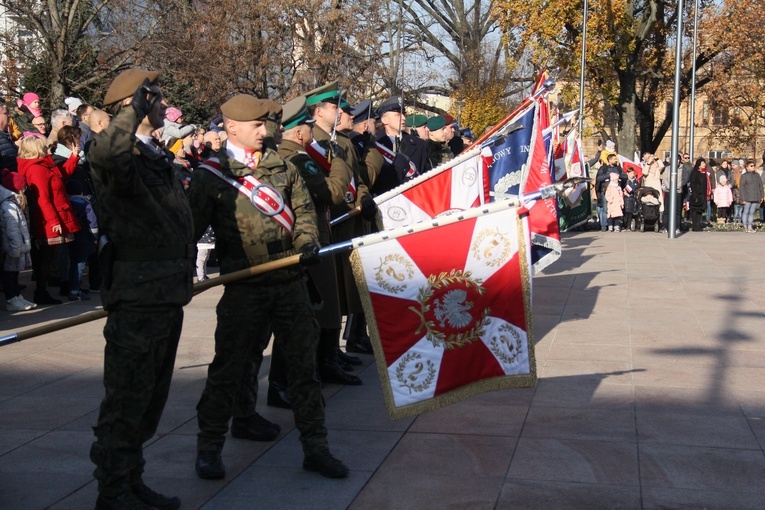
(48, 206)
(725, 194)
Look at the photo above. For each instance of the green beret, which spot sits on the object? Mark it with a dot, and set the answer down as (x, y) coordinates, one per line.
(436, 123)
(417, 120)
(295, 113)
(323, 94)
(244, 107)
(126, 83)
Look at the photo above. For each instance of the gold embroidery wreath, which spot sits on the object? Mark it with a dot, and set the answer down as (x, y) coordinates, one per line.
(381, 279)
(489, 234)
(515, 351)
(424, 295)
(401, 378)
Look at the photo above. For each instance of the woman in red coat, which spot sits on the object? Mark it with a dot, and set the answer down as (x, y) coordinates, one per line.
(53, 221)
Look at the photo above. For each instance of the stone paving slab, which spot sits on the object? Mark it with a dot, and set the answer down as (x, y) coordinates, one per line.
(651, 357)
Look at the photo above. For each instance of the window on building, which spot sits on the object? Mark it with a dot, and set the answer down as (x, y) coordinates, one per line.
(721, 117)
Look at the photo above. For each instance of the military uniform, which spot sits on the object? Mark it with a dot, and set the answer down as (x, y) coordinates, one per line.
(277, 300)
(411, 154)
(439, 153)
(148, 264)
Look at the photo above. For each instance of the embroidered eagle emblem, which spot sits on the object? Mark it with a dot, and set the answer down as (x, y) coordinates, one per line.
(453, 309)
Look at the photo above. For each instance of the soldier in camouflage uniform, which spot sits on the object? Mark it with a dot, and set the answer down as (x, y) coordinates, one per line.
(249, 231)
(439, 151)
(148, 270)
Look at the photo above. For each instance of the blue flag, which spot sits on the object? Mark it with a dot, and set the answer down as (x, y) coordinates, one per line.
(506, 159)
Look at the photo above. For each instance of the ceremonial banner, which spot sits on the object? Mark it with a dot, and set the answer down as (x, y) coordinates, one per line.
(543, 214)
(449, 311)
(436, 192)
(574, 206)
(504, 162)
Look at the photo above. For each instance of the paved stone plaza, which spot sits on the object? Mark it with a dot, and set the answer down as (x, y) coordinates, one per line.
(651, 394)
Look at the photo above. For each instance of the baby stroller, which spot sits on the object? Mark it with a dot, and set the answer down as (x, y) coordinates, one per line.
(648, 208)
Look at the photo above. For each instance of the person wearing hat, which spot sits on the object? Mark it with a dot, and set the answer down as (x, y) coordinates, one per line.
(148, 267)
(173, 126)
(345, 122)
(438, 147)
(418, 125)
(411, 153)
(260, 210)
(322, 104)
(363, 138)
(327, 189)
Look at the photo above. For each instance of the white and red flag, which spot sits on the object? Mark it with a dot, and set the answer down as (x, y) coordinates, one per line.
(449, 323)
(454, 186)
(543, 215)
(628, 164)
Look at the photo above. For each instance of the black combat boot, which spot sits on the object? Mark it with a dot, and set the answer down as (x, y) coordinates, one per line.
(209, 465)
(325, 464)
(155, 499)
(124, 501)
(347, 358)
(330, 371)
(358, 339)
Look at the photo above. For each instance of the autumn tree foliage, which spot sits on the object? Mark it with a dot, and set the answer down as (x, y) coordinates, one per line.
(736, 103)
(629, 55)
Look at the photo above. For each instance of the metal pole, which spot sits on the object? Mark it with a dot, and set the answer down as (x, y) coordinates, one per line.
(672, 213)
(693, 80)
(581, 71)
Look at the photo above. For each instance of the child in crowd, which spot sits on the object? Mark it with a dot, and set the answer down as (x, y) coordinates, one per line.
(723, 198)
(16, 241)
(615, 202)
(630, 200)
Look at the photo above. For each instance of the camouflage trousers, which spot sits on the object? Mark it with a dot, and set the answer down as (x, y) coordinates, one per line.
(138, 367)
(246, 313)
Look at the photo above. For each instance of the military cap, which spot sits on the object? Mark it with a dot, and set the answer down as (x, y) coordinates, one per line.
(295, 113)
(393, 104)
(126, 83)
(436, 123)
(325, 94)
(244, 107)
(343, 104)
(362, 111)
(417, 120)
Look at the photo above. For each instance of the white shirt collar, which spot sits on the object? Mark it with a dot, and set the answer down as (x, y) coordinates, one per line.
(234, 152)
(147, 140)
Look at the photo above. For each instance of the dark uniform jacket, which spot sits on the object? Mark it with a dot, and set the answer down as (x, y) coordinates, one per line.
(144, 212)
(326, 189)
(412, 153)
(439, 153)
(370, 159)
(245, 236)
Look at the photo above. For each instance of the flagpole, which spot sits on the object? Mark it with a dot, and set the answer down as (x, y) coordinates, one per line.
(693, 80)
(546, 87)
(342, 247)
(672, 213)
(582, 64)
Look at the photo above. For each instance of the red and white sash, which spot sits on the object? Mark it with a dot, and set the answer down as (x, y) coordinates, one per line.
(389, 156)
(264, 197)
(319, 154)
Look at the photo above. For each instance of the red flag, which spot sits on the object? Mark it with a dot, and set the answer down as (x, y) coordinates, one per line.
(449, 323)
(628, 164)
(543, 214)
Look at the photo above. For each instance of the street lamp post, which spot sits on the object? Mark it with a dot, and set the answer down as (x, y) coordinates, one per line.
(672, 213)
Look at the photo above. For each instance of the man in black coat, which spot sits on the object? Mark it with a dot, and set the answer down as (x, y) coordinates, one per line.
(409, 154)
